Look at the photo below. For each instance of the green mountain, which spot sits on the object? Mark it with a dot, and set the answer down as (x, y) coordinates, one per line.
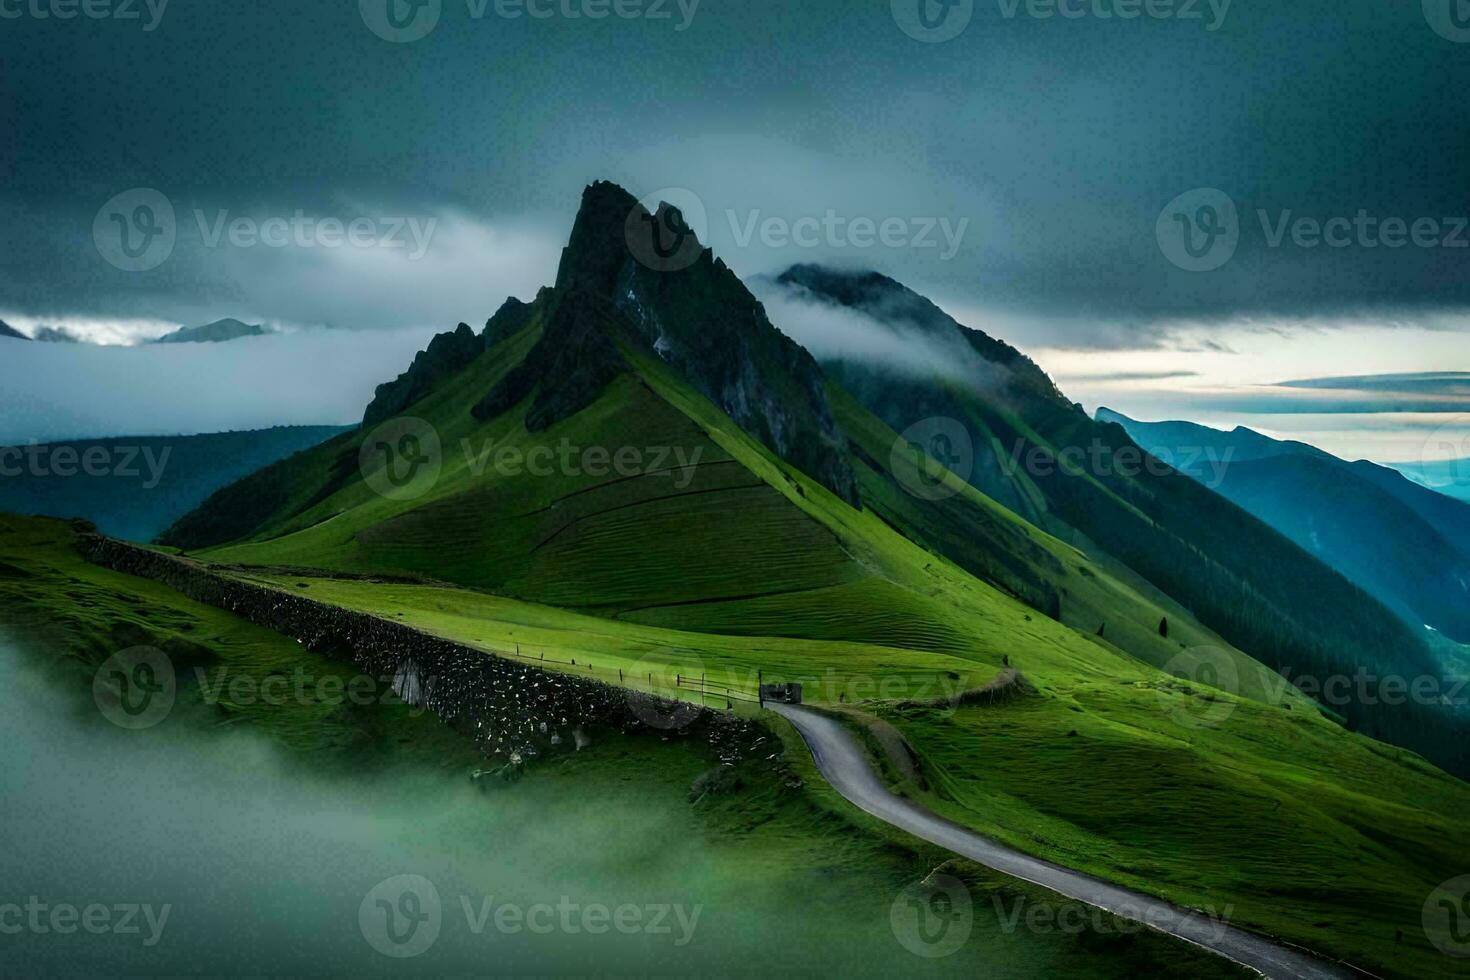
(746, 450)
(1088, 482)
(217, 332)
(596, 480)
(1407, 545)
(623, 357)
(136, 486)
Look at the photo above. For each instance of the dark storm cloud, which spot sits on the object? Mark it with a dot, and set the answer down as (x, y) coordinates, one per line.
(1056, 142)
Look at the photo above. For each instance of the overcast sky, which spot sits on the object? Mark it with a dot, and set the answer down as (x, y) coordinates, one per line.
(1028, 171)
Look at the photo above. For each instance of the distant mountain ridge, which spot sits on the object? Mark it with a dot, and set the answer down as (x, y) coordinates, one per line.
(1450, 477)
(147, 482)
(220, 331)
(6, 330)
(1407, 545)
(891, 303)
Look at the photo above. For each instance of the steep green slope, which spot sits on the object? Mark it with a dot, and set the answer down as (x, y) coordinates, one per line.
(1048, 461)
(1075, 583)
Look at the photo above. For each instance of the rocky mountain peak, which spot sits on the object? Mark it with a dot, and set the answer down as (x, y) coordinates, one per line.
(695, 313)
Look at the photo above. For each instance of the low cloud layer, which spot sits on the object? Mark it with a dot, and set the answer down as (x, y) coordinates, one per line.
(314, 377)
(835, 332)
(291, 262)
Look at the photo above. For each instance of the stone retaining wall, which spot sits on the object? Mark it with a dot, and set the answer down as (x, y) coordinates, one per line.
(509, 707)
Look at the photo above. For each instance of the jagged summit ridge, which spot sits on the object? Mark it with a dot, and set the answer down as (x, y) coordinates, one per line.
(690, 308)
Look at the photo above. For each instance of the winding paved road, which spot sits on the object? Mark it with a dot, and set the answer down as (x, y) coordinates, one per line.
(843, 764)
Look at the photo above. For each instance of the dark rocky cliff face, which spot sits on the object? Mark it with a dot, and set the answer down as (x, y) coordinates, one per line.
(446, 355)
(510, 319)
(567, 368)
(702, 320)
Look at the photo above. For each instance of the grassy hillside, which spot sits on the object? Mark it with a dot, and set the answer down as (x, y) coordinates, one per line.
(800, 857)
(1305, 830)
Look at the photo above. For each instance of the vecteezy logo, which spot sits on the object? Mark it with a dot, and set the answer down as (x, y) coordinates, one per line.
(1447, 917)
(401, 459)
(944, 441)
(1444, 457)
(136, 230)
(664, 230)
(932, 918)
(1199, 230)
(401, 916)
(1200, 671)
(401, 21)
(135, 688)
(660, 692)
(1450, 19)
(933, 21)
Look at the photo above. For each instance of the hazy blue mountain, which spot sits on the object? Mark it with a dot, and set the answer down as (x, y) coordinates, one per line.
(1407, 545)
(1450, 477)
(135, 487)
(6, 330)
(213, 333)
(1194, 443)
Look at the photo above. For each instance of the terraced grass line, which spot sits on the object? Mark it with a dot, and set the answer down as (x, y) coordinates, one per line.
(642, 503)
